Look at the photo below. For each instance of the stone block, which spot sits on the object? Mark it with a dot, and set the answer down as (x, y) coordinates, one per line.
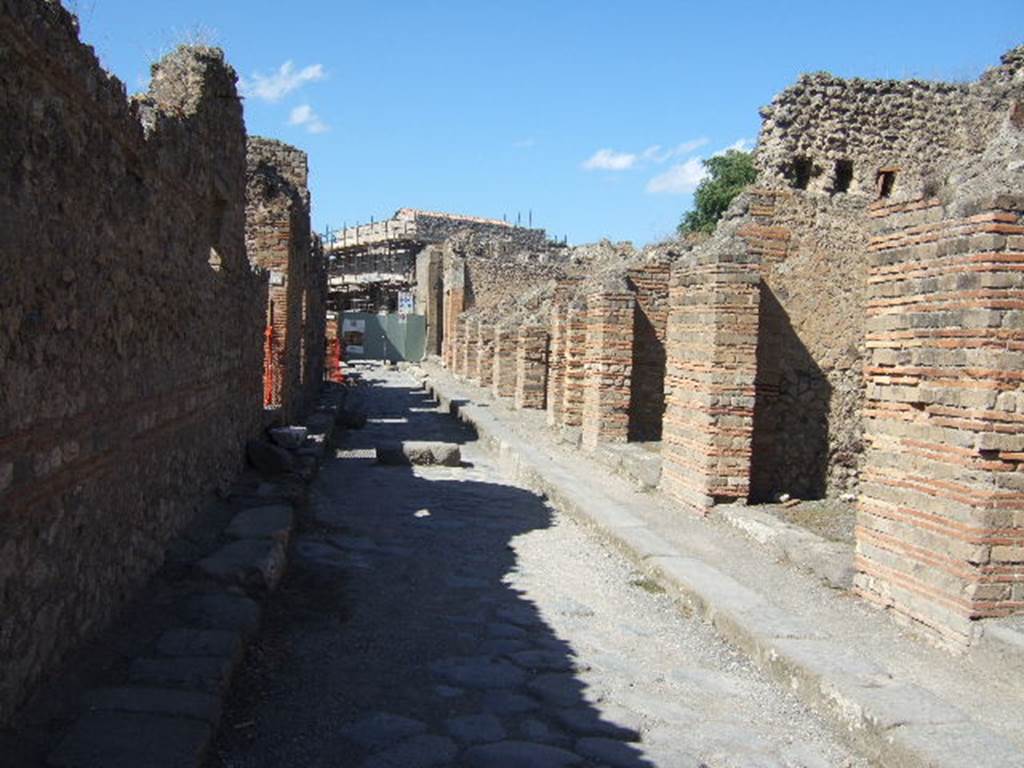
(289, 438)
(269, 459)
(250, 563)
(208, 674)
(271, 522)
(422, 453)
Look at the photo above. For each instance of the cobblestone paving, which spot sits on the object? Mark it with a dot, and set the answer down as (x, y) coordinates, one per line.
(443, 617)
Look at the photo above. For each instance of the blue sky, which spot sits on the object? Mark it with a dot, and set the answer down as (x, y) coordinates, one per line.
(593, 115)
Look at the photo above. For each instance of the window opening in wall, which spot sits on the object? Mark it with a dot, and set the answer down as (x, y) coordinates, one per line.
(801, 172)
(886, 181)
(843, 176)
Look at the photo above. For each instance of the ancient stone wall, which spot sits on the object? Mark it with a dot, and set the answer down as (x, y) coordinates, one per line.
(503, 382)
(810, 391)
(810, 231)
(575, 360)
(608, 363)
(278, 240)
(469, 358)
(453, 284)
(940, 533)
(910, 127)
(484, 372)
(531, 367)
(709, 382)
(430, 295)
(130, 326)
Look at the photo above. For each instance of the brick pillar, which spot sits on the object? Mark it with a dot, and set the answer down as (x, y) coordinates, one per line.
(555, 397)
(940, 534)
(709, 382)
(458, 347)
(454, 304)
(469, 354)
(503, 383)
(485, 354)
(531, 366)
(575, 359)
(608, 367)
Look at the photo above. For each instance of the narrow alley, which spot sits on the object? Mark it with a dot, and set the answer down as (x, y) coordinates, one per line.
(437, 616)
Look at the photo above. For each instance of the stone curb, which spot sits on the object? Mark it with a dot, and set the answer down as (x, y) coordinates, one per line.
(166, 714)
(892, 723)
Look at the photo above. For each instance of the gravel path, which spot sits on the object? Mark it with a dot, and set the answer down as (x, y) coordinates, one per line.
(442, 617)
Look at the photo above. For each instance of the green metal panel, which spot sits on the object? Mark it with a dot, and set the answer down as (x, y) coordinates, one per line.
(384, 337)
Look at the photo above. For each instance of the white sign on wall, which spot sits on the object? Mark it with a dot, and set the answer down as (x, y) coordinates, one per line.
(352, 332)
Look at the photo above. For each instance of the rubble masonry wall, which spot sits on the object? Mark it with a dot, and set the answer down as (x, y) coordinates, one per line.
(130, 326)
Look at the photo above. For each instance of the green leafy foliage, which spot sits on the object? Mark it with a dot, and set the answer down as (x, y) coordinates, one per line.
(728, 174)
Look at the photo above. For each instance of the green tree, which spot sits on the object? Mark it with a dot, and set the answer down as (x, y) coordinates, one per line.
(728, 174)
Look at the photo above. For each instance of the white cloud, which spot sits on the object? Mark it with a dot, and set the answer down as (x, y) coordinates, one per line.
(656, 154)
(609, 160)
(305, 116)
(525, 143)
(743, 145)
(689, 146)
(286, 79)
(680, 179)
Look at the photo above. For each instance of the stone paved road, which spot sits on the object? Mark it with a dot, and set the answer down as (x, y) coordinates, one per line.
(443, 617)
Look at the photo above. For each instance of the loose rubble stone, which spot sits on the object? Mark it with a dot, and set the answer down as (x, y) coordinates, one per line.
(272, 522)
(132, 740)
(412, 452)
(251, 563)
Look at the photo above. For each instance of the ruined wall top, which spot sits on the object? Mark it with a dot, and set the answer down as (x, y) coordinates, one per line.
(289, 163)
(829, 134)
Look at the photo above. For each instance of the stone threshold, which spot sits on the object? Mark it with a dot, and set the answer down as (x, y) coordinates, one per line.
(889, 718)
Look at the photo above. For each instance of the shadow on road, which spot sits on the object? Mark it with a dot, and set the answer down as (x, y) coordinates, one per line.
(395, 639)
